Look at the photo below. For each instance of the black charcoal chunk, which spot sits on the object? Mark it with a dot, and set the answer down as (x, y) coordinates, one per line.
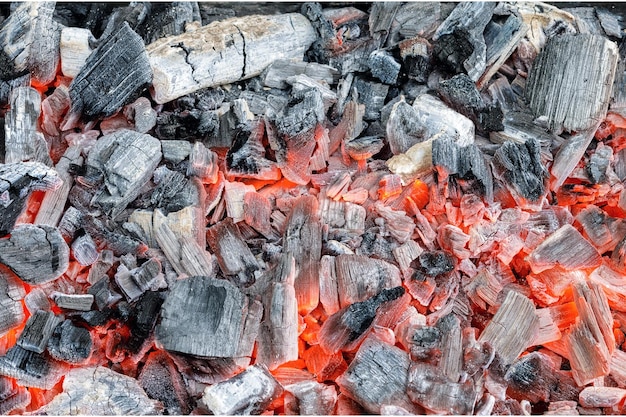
(173, 192)
(432, 264)
(70, 343)
(16, 182)
(37, 254)
(233, 254)
(143, 316)
(384, 66)
(459, 41)
(103, 295)
(37, 331)
(203, 316)
(373, 95)
(161, 381)
(416, 56)
(112, 75)
(166, 19)
(522, 168)
(425, 342)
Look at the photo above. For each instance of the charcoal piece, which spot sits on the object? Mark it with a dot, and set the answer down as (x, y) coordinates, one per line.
(451, 360)
(12, 398)
(281, 70)
(11, 294)
(572, 69)
(519, 128)
(37, 331)
(192, 124)
(17, 181)
(459, 41)
(233, 255)
(110, 235)
(37, 254)
(461, 94)
(78, 302)
(431, 390)
(100, 391)
(135, 282)
(403, 128)
(359, 278)
(522, 168)
(203, 164)
(531, 378)
(29, 42)
(432, 264)
(381, 17)
(30, 369)
(225, 52)
(246, 156)
(166, 19)
(84, 250)
(304, 110)
(592, 397)
(425, 343)
(161, 381)
(173, 192)
(75, 49)
(384, 67)
(567, 248)
(250, 392)
(377, 376)
(416, 56)
(512, 328)
(23, 140)
(175, 151)
(127, 160)
(618, 98)
(441, 121)
(372, 95)
(70, 343)
(142, 319)
(313, 398)
(599, 163)
(35, 300)
(352, 322)
(103, 295)
(203, 316)
(102, 89)
(303, 239)
(569, 154)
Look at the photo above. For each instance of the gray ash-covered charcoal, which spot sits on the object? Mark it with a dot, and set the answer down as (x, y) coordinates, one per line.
(384, 66)
(233, 254)
(373, 95)
(84, 250)
(378, 376)
(37, 331)
(100, 391)
(70, 343)
(175, 151)
(78, 302)
(11, 295)
(37, 254)
(360, 277)
(162, 381)
(281, 70)
(598, 164)
(573, 69)
(12, 397)
(432, 264)
(173, 192)
(203, 316)
(250, 392)
(521, 166)
(114, 73)
(16, 182)
(459, 42)
(30, 369)
(136, 281)
(127, 160)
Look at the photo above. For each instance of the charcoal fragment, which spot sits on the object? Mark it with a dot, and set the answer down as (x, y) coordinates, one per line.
(161, 381)
(233, 255)
(598, 164)
(384, 67)
(114, 73)
(436, 393)
(416, 55)
(142, 319)
(522, 168)
(432, 264)
(136, 281)
(166, 19)
(70, 343)
(37, 331)
(30, 369)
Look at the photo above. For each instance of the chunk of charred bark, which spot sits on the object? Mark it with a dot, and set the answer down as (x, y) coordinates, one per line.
(431, 390)
(16, 182)
(224, 52)
(303, 239)
(161, 381)
(23, 140)
(250, 392)
(102, 89)
(203, 316)
(378, 376)
(100, 391)
(37, 254)
(70, 343)
(512, 328)
(573, 69)
(459, 41)
(521, 167)
(352, 322)
(461, 94)
(30, 369)
(127, 160)
(233, 255)
(29, 42)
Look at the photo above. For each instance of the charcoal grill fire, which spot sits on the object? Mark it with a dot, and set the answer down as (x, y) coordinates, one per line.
(305, 208)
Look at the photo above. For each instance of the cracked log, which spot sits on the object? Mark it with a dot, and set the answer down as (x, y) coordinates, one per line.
(224, 52)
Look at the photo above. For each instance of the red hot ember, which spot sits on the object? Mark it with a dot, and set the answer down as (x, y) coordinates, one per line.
(305, 208)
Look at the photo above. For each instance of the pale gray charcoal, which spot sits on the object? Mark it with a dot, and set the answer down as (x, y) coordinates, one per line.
(459, 41)
(36, 300)
(31, 369)
(70, 222)
(250, 392)
(84, 250)
(381, 17)
(599, 161)
(281, 70)
(11, 294)
(23, 140)
(114, 72)
(37, 254)
(451, 361)
(103, 295)
(224, 52)
(377, 376)
(13, 398)
(203, 163)
(570, 153)
(233, 254)
(38, 330)
(29, 42)
(611, 23)
(69, 343)
(100, 391)
(78, 302)
(16, 182)
(586, 19)
(127, 160)
(618, 98)
(384, 66)
(142, 114)
(519, 128)
(74, 49)
(203, 316)
(175, 150)
(313, 398)
(174, 191)
(418, 19)
(135, 282)
(573, 69)
(373, 95)
(7, 87)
